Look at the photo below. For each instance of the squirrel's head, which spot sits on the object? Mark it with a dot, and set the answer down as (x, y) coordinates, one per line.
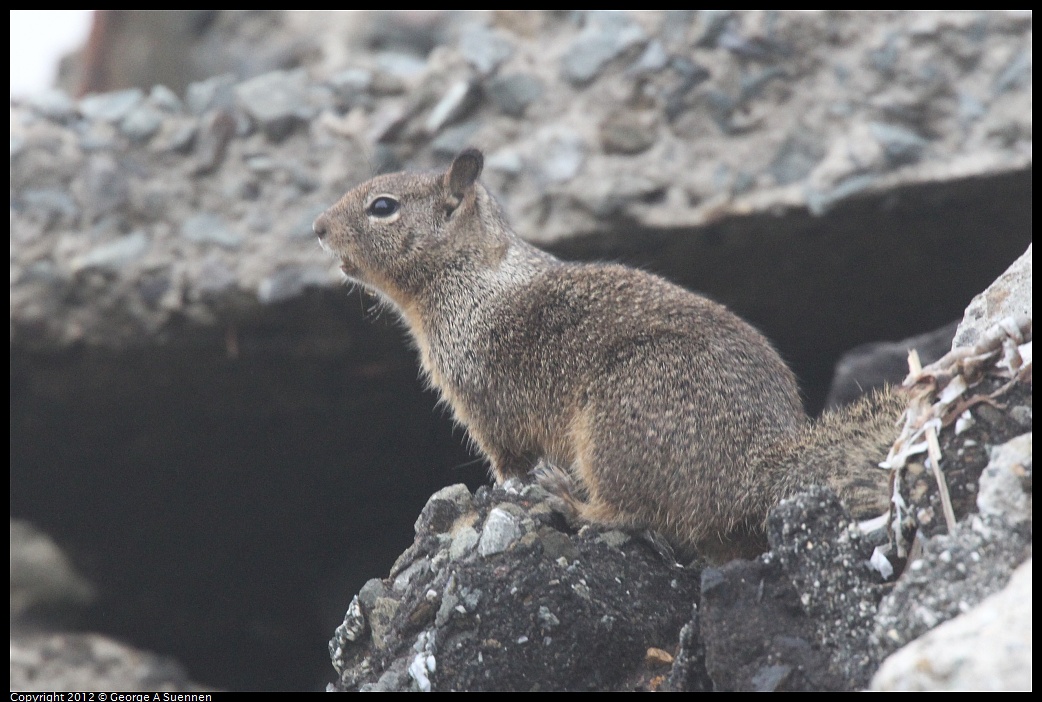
(397, 232)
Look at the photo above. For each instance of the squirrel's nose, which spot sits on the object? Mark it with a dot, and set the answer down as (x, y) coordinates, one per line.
(321, 226)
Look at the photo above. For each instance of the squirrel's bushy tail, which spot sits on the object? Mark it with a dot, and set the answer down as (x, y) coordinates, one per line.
(842, 450)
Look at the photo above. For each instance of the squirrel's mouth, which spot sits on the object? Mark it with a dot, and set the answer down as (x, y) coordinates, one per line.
(349, 269)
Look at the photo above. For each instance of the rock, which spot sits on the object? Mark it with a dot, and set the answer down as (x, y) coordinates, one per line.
(1002, 484)
(955, 573)
(1008, 296)
(141, 123)
(42, 576)
(510, 616)
(607, 35)
(901, 146)
(461, 97)
(826, 556)
(561, 155)
(53, 104)
(484, 48)
(289, 282)
(514, 92)
(796, 158)
(1016, 72)
(352, 87)
(628, 132)
(209, 228)
(396, 71)
(211, 94)
(66, 662)
(165, 99)
(105, 186)
(986, 649)
(111, 107)
(755, 635)
(654, 59)
(883, 363)
(113, 255)
(55, 205)
(277, 100)
(454, 139)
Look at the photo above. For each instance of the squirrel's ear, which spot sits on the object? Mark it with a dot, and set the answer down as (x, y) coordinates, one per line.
(463, 173)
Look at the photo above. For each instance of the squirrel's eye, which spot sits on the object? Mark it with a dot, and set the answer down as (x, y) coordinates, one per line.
(383, 206)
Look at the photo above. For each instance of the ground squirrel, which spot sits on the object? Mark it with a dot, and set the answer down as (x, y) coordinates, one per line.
(665, 409)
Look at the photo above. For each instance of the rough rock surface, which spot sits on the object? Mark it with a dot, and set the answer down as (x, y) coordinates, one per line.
(156, 208)
(66, 662)
(986, 649)
(496, 594)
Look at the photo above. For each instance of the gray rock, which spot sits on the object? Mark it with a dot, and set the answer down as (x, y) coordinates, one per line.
(214, 276)
(53, 203)
(753, 85)
(676, 96)
(111, 107)
(628, 132)
(98, 136)
(42, 576)
(463, 542)
(796, 157)
(209, 228)
(289, 282)
(68, 662)
(105, 186)
(713, 22)
(900, 145)
(514, 92)
(403, 67)
(826, 557)
(114, 255)
(165, 99)
(176, 135)
(653, 60)
(986, 649)
(819, 202)
(607, 35)
(884, 58)
(500, 531)
(1009, 296)
(539, 615)
(153, 286)
(506, 161)
(53, 104)
(443, 508)
(484, 48)
(303, 228)
(351, 87)
(457, 102)
(1002, 491)
(210, 94)
(561, 155)
(454, 139)
(882, 363)
(277, 101)
(675, 26)
(956, 572)
(352, 80)
(970, 108)
(141, 123)
(1016, 73)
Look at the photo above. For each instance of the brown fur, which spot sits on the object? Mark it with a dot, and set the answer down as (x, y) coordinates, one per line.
(665, 409)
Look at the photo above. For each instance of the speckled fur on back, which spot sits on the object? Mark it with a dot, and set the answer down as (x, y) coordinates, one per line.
(666, 410)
